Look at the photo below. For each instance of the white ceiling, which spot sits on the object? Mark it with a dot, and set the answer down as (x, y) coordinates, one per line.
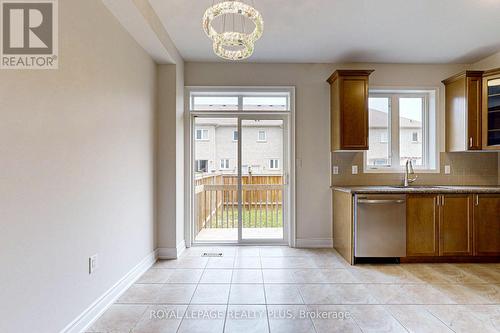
(324, 31)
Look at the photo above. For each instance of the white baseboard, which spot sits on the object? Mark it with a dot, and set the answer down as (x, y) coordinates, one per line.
(180, 248)
(171, 252)
(314, 242)
(94, 311)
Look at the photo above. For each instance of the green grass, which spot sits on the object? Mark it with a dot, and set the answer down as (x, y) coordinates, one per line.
(252, 218)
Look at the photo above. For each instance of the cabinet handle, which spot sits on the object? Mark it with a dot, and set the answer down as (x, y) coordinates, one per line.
(471, 142)
(476, 203)
(442, 200)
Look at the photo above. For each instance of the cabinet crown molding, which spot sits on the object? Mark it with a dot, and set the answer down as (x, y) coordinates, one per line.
(491, 72)
(349, 72)
(462, 75)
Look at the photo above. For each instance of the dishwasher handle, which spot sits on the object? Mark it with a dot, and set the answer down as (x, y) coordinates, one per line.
(381, 201)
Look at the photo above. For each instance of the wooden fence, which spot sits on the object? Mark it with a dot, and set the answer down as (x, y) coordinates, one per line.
(216, 201)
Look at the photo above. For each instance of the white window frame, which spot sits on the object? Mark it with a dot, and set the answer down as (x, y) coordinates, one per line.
(429, 137)
(285, 92)
(384, 139)
(202, 130)
(197, 165)
(258, 136)
(274, 166)
(412, 137)
(224, 164)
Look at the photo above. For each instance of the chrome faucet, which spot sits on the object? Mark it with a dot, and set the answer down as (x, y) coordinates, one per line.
(410, 175)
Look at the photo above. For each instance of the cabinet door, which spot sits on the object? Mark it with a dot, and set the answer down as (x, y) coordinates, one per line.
(455, 225)
(354, 112)
(422, 216)
(474, 110)
(491, 110)
(487, 225)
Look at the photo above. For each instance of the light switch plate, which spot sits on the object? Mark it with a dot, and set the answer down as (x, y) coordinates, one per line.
(354, 169)
(447, 169)
(335, 170)
(93, 264)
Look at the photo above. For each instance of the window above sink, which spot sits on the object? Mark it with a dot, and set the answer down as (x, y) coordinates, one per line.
(402, 126)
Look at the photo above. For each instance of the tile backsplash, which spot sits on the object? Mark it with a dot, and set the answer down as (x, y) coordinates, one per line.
(474, 168)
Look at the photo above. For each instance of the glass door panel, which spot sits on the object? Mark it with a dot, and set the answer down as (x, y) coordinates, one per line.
(493, 120)
(262, 179)
(215, 183)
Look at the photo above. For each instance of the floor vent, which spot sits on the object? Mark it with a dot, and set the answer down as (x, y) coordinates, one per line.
(212, 254)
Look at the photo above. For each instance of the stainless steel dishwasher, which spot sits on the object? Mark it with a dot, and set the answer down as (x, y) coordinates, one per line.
(380, 226)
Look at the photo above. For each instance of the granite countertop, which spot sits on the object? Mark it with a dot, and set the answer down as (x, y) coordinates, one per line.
(417, 189)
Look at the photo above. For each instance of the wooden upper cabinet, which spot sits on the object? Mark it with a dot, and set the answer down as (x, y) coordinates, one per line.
(422, 225)
(491, 109)
(487, 225)
(464, 111)
(349, 109)
(455, 225)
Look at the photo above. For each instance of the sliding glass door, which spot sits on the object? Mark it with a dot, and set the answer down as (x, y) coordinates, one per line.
(240, 151)
(261, 178)
(239, 178)
(215, 179)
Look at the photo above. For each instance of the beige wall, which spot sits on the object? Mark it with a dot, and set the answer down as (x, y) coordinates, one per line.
(77, 171)
(313, 193)
(313, 124)
(171, 180)
(490, 62)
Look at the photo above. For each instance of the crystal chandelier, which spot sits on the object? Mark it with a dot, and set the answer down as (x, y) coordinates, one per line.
(232, 41)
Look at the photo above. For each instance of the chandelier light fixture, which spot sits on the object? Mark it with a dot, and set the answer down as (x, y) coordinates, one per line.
(226, 24)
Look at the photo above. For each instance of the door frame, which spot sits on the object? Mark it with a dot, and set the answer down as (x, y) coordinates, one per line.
(289, 192)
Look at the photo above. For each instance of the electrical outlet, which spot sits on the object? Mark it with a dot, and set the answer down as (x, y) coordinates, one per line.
(447, 169)
(354, 169)
(93, 263)
(335, 170)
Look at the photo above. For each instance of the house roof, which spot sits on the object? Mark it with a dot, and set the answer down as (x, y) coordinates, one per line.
(379, 119)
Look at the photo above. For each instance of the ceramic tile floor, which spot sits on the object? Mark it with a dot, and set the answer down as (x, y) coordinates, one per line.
(278, 289)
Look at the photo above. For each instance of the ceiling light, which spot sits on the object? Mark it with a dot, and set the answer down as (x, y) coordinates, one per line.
(232, 42)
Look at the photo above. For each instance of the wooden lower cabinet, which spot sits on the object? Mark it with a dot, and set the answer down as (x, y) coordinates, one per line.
(452, 226)
(455, 225)
(422, 222)
(486, 225)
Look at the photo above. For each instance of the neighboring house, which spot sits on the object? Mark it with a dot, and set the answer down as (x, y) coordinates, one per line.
(216, 146)
(410, 139)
